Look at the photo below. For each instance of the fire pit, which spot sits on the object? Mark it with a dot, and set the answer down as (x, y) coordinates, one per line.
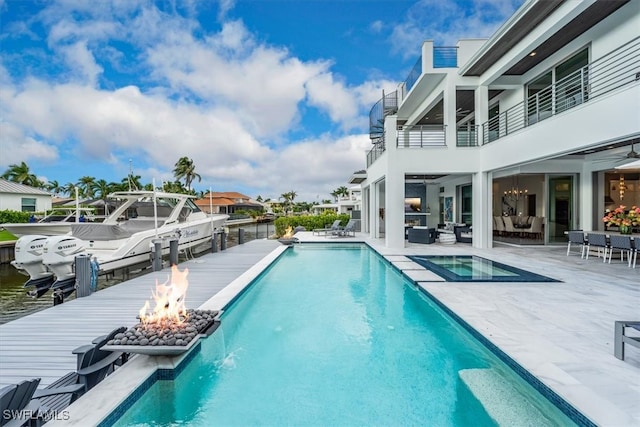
(170, 329)
(287, 238)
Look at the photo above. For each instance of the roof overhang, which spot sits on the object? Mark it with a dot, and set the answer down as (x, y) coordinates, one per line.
(523, 22)
(357, 177)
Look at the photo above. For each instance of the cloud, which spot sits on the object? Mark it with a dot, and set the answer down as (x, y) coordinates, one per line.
(81, 60)
(446, 22)
(222, 97)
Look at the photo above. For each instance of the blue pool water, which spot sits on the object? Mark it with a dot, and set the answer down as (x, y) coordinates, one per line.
(471, 268)
(335, 336)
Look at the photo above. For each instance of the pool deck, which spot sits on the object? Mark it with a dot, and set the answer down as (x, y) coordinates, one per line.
(560, 332)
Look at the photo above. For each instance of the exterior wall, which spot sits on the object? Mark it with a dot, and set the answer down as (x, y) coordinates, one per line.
(14, 202)
(521, 152)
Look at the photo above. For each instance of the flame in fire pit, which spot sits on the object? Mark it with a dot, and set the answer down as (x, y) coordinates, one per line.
(288, 233)
(169, 299)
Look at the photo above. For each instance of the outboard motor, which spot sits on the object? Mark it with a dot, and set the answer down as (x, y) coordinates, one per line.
(28, 260)
(59, 256)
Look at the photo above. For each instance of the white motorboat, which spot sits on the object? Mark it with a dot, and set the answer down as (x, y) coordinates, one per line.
(125, 238)
(57, 222)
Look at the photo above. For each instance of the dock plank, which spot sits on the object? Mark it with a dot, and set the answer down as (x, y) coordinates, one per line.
(40, 344)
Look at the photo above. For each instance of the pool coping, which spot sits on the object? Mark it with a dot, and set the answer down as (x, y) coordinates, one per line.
(117, 393)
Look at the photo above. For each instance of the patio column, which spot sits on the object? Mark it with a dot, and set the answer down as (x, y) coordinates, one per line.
(481, 110)
(482, 210)
(394, 189)
(586, 209)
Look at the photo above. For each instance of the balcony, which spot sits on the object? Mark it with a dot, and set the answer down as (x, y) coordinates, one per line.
(375, 152)
(467, 135)
(617, 69)
(421, 136)
(441, 57)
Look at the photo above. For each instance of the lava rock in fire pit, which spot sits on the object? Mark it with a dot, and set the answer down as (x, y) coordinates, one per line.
(167, 332)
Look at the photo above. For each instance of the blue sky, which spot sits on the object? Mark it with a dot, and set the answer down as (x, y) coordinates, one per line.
(265, 96)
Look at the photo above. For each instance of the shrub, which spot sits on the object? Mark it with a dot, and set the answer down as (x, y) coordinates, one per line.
(310, 222)
(7, 216)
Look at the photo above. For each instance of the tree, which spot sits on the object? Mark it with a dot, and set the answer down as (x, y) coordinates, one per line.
(335, 195)
(69, 189)
(130, 182)
(101, 189)
(186, 169)
(342, 191)
(55, 188)
(85, 184)
(22, 175)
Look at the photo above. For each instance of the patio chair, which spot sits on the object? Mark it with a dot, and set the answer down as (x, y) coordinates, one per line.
(620, 338)
(334, 227)
(599, 241)
(348, 230)
(623, 244)
(576, 237)
(22, 404)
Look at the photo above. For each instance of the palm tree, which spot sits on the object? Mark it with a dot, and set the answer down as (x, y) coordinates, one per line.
(85, 184)
(69, 189)
(101, 189)
(22, 175)
(184, 168)
(342, 191)
(174, 187)
(130, 182)
(55, 188)
(335, 195)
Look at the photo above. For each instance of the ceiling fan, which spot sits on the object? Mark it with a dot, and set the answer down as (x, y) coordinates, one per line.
(631, 155)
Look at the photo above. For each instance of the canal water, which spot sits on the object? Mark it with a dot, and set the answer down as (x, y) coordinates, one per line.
(15, 303)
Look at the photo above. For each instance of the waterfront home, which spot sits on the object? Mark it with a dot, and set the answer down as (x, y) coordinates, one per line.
(227, 202)
(530, 123)
(23, 198)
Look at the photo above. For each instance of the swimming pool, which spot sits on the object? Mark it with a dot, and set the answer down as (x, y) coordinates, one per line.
(334, 335)
(471, 268)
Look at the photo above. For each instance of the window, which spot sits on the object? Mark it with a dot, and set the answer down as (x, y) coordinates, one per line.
(466, 205)
(570, 88)
(539, 98)
(28, 204)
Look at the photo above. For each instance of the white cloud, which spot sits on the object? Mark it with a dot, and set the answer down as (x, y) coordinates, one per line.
(446, 22)
(226, 100)
(81, 60)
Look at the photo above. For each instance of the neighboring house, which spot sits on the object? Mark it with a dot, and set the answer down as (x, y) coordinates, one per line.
(18, 197)
(227, 203)
(348, 204)
(529, 123)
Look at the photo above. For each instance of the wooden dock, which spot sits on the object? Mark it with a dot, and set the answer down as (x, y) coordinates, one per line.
(40, 344)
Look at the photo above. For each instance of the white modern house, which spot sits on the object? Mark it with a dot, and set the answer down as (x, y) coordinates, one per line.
(531, 123)
(346, 204)
(18, 197)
